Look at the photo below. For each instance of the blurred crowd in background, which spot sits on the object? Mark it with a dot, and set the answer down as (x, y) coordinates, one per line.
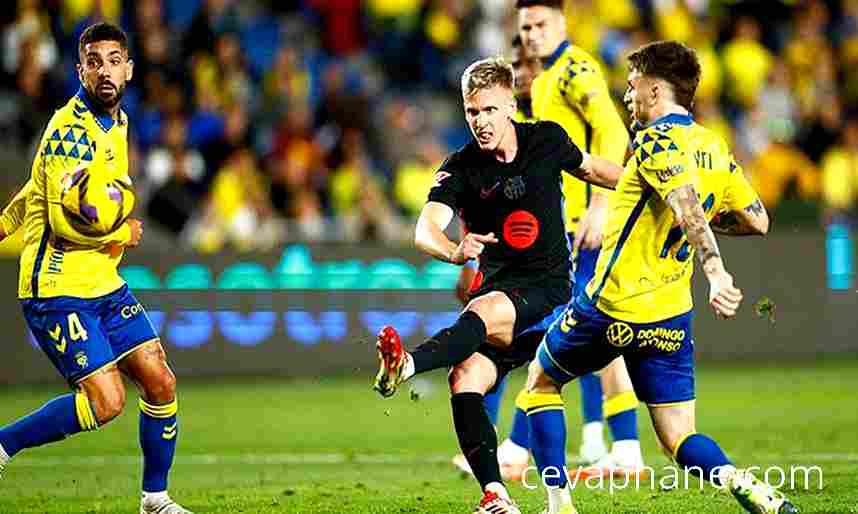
(260, 122)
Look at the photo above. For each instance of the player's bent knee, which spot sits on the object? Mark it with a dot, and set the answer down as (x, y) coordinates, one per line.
(498, 313)
(477, 374)
(105, 394)
(673, 425)
(160, 388)
(109, 405)
(538, 381)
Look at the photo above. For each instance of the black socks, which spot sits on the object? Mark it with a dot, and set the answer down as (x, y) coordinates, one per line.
(451, 345)
(477, 437)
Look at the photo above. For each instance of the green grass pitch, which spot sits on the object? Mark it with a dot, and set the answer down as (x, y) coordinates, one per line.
(330, 445)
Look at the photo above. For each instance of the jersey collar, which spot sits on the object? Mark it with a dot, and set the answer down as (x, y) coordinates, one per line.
(674, 118)
(551, 59)
(104, 120)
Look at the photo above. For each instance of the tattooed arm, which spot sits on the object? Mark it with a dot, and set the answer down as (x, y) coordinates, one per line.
(753, 220)
(723, 296)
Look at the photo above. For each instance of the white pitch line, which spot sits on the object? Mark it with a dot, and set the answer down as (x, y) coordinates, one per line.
(807, 459)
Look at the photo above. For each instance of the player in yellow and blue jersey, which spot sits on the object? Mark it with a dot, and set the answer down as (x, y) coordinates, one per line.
(571, 91)
(77, 306)
(639, 302)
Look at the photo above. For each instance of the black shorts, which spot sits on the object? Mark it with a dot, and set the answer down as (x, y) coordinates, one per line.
(535, 304)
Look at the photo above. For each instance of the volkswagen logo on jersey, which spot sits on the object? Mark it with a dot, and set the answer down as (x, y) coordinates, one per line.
(514, 188)
(619, 334)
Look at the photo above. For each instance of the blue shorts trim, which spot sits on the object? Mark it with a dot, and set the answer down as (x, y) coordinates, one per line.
(659, 355)
(82, 335)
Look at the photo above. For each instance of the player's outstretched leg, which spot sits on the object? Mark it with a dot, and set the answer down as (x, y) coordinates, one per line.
(98, 400)
(702, 456)
(448, 347)
(54, 421)
(158, 426)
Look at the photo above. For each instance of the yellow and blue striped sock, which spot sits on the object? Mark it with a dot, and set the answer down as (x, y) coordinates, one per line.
(159, 431)
(622, 416)
(54, 421)
(547, 436)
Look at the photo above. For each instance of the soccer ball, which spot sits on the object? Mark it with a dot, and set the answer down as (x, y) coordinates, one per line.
(95, 205)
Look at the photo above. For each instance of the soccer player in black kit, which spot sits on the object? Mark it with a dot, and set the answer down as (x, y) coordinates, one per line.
(506, 185)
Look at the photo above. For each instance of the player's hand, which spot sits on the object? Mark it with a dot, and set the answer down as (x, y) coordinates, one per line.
(589, 232)
(472, 246)
(136, 227)
(724, 297)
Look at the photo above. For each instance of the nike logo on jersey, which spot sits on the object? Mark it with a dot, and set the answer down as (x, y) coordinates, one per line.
(485, 193)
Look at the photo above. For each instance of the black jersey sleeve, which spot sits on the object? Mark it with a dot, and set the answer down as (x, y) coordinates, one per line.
(449, 185)
(567, 153)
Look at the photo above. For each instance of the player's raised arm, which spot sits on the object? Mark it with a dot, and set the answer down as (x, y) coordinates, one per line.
(723, 296)
(745, 214)
(585, 166)
(13, 214)
(599, 171)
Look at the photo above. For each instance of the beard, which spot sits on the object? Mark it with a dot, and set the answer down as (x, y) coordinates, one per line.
(109, 101)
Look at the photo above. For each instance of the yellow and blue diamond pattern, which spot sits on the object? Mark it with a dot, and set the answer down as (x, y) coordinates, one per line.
(573, 70)
(70, 141)
(651, 143)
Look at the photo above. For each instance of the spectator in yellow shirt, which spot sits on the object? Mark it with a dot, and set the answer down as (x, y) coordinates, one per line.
(746, 63)
(840, 171)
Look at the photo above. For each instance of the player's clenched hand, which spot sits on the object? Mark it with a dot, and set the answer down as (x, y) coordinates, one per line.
(136, 227)
(724, 297)
(472, 246)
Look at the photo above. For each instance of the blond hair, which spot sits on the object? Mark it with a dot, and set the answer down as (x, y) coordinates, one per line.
(487, 73)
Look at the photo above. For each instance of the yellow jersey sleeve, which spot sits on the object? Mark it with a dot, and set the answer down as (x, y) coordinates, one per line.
(739, 193)
(55, 169)
(13, 214)
(662, 163)
(584, 88)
